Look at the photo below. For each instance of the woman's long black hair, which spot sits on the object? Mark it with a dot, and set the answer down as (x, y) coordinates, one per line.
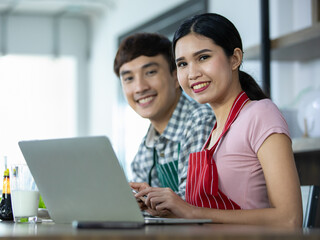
(224, 34)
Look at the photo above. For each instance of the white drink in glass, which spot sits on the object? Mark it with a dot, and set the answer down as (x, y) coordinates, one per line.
(25, 204)
(24, 194)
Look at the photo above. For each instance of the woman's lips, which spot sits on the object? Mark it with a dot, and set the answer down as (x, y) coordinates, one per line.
(199, 87)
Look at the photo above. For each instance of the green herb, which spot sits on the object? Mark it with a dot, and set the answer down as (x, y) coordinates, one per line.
(41, 203)
(24, 220)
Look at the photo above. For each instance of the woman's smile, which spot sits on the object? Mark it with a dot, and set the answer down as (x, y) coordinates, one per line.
(200, 86)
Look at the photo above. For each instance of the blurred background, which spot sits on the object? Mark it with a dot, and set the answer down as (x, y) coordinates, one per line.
(56, 64)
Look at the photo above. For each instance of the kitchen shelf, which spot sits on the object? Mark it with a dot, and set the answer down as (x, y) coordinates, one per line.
(305, 144)
(302, 45)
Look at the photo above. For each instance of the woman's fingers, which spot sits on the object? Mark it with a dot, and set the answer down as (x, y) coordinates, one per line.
(156, 196)
(159, 200)
(139, 186)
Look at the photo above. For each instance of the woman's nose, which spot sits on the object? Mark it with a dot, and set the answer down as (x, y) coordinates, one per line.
(194, 72)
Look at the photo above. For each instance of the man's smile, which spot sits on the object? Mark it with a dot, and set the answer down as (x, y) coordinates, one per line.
(146, 100)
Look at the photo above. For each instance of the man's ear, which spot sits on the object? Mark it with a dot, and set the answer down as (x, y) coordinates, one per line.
(236, 58)
(175, 77)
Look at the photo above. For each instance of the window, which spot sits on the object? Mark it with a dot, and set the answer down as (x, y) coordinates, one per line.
(37, 101)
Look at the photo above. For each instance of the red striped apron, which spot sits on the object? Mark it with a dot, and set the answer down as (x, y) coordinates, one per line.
(202, 182)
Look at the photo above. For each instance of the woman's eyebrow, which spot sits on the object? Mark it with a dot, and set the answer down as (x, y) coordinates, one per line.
(201, 51)
(179, 59)
(195, 54)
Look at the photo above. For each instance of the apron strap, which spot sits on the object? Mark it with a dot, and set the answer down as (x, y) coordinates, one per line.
(167, 172)
(237, 105)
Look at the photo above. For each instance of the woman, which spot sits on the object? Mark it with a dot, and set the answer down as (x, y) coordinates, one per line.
(247, 163)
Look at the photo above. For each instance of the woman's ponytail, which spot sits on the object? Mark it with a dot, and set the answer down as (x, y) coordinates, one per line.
(250, 87)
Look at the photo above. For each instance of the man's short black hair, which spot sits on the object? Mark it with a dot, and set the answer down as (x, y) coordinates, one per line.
(143, 44)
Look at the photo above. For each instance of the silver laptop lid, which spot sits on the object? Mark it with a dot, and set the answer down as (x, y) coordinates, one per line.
(81, 179)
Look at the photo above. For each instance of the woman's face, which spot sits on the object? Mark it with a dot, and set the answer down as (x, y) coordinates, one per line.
(204, 71)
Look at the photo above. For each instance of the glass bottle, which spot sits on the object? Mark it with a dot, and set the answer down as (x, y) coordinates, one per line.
(5, 204)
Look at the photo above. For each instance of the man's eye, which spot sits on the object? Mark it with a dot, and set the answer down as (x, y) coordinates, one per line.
(127, 79)
(151, 72)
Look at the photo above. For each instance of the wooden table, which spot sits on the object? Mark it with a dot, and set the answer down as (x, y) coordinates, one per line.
(9, 230)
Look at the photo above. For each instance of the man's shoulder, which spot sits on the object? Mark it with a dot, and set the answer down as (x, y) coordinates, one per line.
(197, 110)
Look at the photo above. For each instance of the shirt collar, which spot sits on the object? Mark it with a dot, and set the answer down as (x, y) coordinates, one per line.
(169, 133)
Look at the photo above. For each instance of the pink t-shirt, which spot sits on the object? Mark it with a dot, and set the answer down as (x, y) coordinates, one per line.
(240, 173)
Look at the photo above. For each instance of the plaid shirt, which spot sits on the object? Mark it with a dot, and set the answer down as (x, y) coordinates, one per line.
(189, 127)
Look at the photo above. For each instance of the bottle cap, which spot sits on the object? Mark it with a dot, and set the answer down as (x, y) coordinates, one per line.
(6, 173)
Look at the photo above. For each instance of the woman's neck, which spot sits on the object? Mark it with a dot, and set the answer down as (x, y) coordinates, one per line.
(221, 111)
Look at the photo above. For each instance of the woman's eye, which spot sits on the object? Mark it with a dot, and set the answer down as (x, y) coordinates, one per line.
(181, 64)
(203, 57)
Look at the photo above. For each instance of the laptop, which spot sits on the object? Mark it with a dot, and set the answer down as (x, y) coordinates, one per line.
(81, 182)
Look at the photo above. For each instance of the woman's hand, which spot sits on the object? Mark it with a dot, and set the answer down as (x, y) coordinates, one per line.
(137, 187)
(165, 202)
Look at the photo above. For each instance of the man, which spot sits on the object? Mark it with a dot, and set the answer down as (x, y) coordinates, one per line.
(178, 126)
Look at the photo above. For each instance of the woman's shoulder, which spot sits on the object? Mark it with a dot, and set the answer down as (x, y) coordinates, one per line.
(263, 110)
(260, 119)
(262, 104)
(262, 107)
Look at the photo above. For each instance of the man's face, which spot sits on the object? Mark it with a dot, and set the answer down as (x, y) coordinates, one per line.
(149, 86)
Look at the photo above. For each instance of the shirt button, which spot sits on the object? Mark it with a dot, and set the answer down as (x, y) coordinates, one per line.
(162, 154)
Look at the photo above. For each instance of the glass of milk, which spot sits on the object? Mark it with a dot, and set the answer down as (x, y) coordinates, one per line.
(24, 194)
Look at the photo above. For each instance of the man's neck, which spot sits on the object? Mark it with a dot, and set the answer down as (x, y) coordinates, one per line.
(160, 125)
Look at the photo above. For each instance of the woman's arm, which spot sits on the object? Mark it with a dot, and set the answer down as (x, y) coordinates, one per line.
(280, 172)
(283, 186)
